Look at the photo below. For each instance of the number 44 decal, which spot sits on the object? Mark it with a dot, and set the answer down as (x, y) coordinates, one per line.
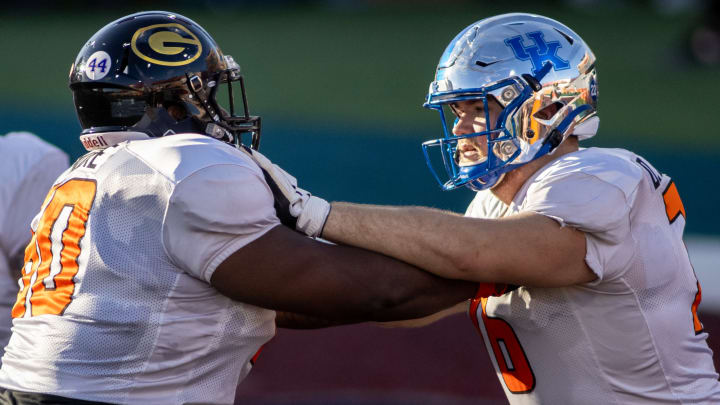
(102, 65)
(51, 257)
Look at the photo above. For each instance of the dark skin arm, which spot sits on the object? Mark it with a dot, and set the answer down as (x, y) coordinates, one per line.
(290, 320)
(285, 271)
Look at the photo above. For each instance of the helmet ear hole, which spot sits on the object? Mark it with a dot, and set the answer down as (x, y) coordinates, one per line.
(549, 111)
(176, 110)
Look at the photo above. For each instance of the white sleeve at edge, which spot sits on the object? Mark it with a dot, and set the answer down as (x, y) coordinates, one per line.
(598, 208)
(213, 213)
(28, 198)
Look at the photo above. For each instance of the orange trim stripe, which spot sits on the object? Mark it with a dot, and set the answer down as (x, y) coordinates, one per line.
(534, 125)
(673, 204)
(257, 355)
(697, 325)
(474, 304)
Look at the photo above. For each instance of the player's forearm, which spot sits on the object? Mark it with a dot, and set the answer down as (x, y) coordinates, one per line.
(428, 238)
(438, 296)
(292, 273)
(374, 287)
(291, 320)
(527, 249)
(427, 320)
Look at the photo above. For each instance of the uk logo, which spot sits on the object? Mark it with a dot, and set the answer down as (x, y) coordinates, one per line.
(538, 53)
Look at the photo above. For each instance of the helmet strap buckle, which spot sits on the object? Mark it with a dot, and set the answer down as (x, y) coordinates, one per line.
(195, 83)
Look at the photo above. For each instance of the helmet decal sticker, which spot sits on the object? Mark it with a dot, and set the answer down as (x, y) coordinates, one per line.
(593, 90)
(98, 65)
(539, 53)
(166, 44)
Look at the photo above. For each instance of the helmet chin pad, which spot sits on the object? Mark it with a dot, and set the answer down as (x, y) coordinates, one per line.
(486, 182)
(480, 179)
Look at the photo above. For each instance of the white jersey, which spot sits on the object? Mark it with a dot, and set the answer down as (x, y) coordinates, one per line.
(28, 167)
(116, 304)
(630, 337)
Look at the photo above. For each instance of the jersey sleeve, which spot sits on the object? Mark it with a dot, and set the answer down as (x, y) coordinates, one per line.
(599, 208)
(34, 167)
(214, 212)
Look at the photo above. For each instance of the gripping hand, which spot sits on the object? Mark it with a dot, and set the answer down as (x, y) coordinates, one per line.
(296, 208)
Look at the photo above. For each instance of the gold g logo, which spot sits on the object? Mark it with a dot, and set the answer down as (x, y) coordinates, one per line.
(166, 44)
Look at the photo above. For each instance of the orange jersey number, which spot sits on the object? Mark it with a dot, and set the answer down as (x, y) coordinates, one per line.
(51, 257)
(509, 354)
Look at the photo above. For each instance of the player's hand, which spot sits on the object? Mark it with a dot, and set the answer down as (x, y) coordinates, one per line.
(296, 208)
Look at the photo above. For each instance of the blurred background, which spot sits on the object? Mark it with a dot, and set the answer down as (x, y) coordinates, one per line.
(340, 84)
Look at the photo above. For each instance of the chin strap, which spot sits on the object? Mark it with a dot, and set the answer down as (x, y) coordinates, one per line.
(157, 122)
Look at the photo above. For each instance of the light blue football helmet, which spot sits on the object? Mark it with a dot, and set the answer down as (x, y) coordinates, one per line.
(540, 72)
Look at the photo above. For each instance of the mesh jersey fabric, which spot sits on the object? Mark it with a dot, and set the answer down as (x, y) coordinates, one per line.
(627, 337)
(143, 324)
(29, 166)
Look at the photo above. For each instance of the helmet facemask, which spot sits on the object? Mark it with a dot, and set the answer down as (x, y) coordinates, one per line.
(219, 118)
(499, 142)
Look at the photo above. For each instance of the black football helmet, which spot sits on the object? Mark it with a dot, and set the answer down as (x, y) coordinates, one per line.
(158, 73)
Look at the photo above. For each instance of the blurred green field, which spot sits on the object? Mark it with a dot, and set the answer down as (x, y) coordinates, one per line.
(369, 67)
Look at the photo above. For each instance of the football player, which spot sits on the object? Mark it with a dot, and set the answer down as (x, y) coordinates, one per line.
(606, 311)
(29, 166)
(157, 260)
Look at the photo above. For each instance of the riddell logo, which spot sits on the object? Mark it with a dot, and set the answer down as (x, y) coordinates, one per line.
(93, 142)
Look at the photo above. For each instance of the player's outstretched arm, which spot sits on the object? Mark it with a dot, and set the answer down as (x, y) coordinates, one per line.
(286, 271)
(292, 320)
(526, 249)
